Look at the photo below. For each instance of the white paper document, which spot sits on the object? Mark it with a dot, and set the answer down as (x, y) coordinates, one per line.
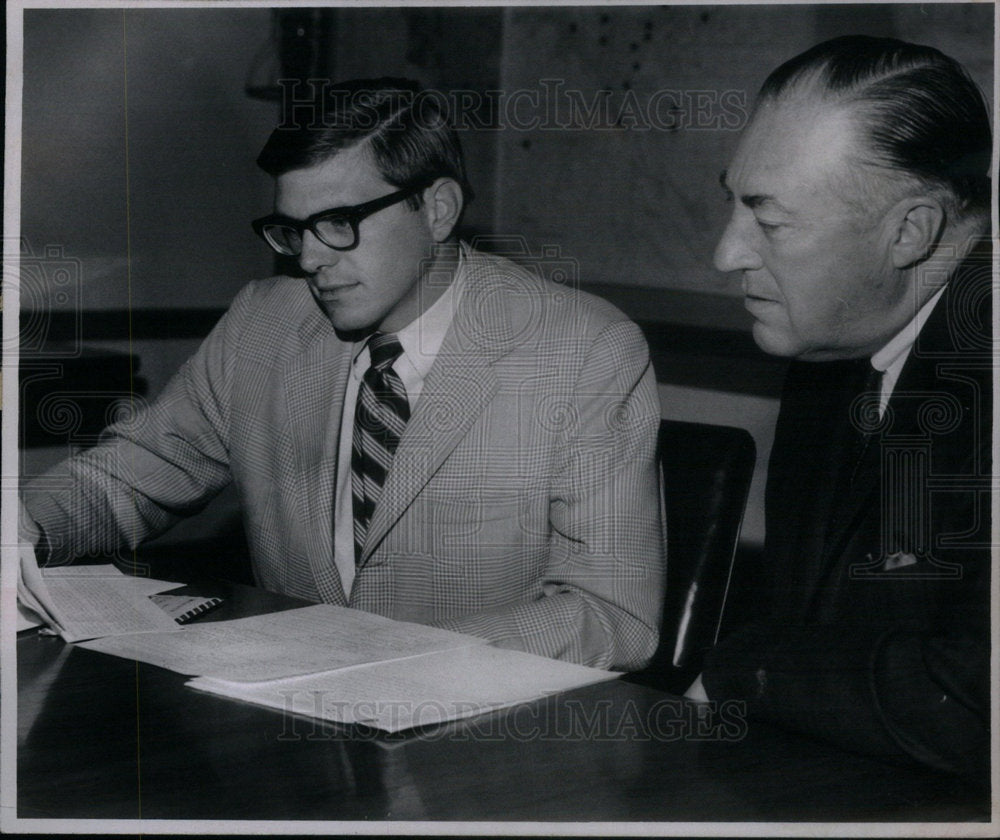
(26, 618)
(105, 571)
(322, 637)
(324, 661)
(422, 690)
(93, 607)
(85, 602)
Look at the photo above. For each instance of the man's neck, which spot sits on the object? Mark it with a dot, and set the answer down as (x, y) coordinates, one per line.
(435, 279)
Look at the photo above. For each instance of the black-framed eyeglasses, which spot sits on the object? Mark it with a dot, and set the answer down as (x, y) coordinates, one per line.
(336, 228)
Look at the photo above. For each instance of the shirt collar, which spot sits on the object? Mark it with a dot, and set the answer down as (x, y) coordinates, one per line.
(893, 355)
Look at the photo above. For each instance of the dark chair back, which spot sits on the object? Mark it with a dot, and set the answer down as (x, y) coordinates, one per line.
(706, 473)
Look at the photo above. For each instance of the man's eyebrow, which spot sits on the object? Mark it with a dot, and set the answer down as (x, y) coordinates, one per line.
(751, 201)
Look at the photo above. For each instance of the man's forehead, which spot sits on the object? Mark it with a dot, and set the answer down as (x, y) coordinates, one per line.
(344, 178)
(765, 196)
(792, 145)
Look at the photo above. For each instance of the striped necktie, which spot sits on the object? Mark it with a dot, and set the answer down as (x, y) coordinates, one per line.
(379, 419)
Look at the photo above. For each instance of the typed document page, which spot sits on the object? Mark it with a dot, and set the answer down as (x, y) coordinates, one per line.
(322, 637)
(85, 602)
(419, 691)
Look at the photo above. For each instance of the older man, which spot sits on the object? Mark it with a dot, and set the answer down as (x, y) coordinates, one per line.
(860, 219)
(414, 428)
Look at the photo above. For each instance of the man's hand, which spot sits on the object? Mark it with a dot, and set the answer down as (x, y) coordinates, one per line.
(696, 691)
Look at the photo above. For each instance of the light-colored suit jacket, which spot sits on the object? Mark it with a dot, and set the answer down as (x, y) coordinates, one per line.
(522, 503)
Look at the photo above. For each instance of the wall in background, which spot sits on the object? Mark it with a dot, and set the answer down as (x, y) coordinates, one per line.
(139, 141)
(599, 131)
(138, 186)
(445, 49)
(639, 110)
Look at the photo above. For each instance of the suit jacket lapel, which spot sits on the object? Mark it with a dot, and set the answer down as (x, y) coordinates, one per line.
(457, 389)
(809, 559)
(314, 383)
(821, 500)
(865, 496)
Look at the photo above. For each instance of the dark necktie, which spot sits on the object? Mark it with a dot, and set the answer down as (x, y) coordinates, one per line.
(865, 418)
(861, 389)
(379, 419)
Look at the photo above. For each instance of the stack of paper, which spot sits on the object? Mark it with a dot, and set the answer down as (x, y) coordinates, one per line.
(308, 640)
(323, 661)
(348, 666)
(419, 691)
(85, 602)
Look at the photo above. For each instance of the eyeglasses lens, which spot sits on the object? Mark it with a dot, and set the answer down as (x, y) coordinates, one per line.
(284, 240)
(335, 232)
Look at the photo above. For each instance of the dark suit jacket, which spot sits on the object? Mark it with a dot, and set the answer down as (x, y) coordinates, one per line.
(876, 634)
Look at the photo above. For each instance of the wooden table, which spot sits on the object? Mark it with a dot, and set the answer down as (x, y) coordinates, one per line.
(105, 738)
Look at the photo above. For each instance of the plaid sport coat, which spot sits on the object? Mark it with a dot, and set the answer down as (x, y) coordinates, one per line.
(522, 503)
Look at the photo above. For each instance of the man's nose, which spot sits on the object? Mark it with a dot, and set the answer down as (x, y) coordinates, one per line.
(315, 254)
(735, 251)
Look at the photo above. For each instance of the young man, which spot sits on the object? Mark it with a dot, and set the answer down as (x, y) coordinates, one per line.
(414, 428)
(861, 199)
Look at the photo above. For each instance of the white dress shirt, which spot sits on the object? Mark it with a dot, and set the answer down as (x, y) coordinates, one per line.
(891, 358)
(421, 341)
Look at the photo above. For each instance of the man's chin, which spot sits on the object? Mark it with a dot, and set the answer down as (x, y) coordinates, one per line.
(349, 323)
(776, 343)
(773, 342)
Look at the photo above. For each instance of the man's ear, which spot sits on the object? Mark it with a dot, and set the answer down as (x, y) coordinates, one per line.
(443, 203)
(919, 222)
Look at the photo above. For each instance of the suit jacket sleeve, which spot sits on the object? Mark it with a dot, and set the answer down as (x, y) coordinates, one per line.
(164, 462)
(895, 692)
(603, 586)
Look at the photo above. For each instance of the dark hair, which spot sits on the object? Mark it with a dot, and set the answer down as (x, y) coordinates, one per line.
(921, 112)
(406, 128)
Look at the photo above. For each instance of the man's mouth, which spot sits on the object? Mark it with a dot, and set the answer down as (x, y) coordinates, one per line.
(760, 307)
(751, 294)
(330, 291)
